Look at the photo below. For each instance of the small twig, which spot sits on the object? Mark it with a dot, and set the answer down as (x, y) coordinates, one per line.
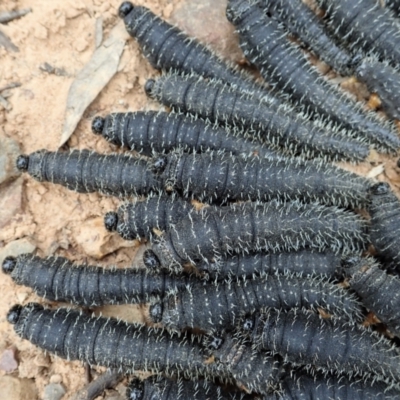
(11, 85)
(7, 43)
(106, 381)
(11, 15)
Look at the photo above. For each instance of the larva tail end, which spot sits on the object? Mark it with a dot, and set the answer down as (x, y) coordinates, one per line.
(150, 260)
(125, 8)
(22, 162)
(349, 267)
(98, 125)
(159, 164)
(14, 314)
(111, 221)
(380, 188)
(135, 390)
(148, 87)
(156, 312)
(247, 324)
(9, 264)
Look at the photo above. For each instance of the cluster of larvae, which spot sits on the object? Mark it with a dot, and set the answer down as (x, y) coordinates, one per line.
(256, 274)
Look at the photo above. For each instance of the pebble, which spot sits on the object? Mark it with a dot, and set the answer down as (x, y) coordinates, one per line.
(206, 21)
(8, 360)
(9, 151)
(16, 248)
(17, 389)
(53, 391)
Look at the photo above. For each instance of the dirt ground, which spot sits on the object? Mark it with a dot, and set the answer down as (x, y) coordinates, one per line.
(54, 42)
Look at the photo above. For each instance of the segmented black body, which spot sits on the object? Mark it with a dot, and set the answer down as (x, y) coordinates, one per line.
(59, 279)
(168, 48)
(137, 220)
(306, 338)
(256, 371)
(158, 388)
(114, 344)
(384, 209)
(383, 80)
(302, 386)
(277, 126)
(160, 132)
(379, 291)
(303, 262)
(86, 171)
(393, 5)
(288, 71)
(301, 22)
(213, 233)
(219, 176)
(219, 306)
(364, 24)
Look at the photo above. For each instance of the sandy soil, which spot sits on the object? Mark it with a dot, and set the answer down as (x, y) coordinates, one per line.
(52, 219)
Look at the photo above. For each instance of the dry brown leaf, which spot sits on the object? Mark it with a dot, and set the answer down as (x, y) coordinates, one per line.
(93, 77)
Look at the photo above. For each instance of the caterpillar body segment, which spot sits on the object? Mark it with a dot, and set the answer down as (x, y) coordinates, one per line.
(211, 234)
(364, 25)
(159, 388)
(58, 279)
(138, 220)
(112, 343)
(218, 176)
(304, 262)
(219, 306)
(160, 132)
(279, 127)
(288, 71)
(300, 386)
(258, 372)
(332, 344)
(383, 80)
(301, 22)
(393, 5)
(86, 171)
(167, 48)
(384, 209)
(378, 291)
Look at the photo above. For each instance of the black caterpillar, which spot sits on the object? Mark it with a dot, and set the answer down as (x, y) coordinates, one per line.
(58, 279)
(137, 220)
(384, 209)
(301, 22)
(383, 80)
(305, 338)
(379, 291)
(210, 234)
(218, 306)
(364, 25)
(258, 372)
(160, 132)
(288, 71)
(86, 171)
(224, 177)
(277, 126)
(303, 262)
(168, 48)
(112, 343)
(302, 386)
(158, 388)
